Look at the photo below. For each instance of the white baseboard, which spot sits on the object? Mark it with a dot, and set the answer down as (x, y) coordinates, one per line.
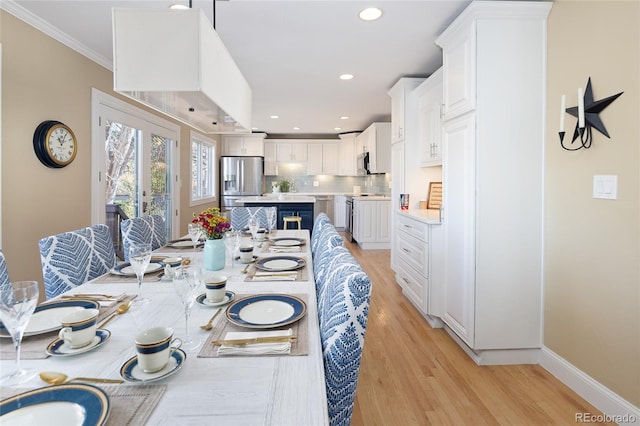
(617, 409)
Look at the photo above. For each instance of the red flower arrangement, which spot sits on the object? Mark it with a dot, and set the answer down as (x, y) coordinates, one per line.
(213, 225)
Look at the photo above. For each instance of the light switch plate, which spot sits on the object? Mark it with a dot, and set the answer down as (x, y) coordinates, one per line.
(316, 183)
(605, 187)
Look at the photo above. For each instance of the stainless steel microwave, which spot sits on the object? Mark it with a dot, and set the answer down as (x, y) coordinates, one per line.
(363, 164)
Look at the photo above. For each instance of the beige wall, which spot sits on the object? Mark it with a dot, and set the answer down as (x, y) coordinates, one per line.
(44, 80)
(592, 255)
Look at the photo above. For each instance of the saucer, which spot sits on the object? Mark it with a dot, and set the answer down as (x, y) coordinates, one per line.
(202, 300)
(131, 372)
(246, 261)
(59, 348)
(172, 261)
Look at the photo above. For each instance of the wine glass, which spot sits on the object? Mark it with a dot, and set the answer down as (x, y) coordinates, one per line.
(271, 218)
(139, 258)
(186, 282)
(195, 232)
(18, 300)
(254, 224)
(232, 243)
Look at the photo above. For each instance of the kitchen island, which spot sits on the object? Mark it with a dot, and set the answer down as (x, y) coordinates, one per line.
(286, 205)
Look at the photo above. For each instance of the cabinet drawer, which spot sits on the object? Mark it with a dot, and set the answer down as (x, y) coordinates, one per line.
(412, 284)
(414, 252)
(413, 227)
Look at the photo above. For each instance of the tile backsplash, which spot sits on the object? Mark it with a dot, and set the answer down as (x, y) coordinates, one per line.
(374, 184)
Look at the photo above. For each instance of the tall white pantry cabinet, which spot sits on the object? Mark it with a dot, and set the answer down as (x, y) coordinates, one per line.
(494, 84)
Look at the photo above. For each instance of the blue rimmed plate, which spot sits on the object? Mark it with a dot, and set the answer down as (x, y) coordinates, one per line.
(280, 263)
(70, 404)
(228, 297)
(47, 316)
(59, 348)
(184, 243)
(287, 242)
(266, 311)
(131, 371)
(127, 270)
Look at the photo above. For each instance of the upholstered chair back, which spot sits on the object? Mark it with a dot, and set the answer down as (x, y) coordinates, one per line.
(143, 229)
(73, 258)
(240, 217)
(4, 274)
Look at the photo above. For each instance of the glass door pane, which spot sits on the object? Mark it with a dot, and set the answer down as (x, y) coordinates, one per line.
(160, 184)
(122, 175)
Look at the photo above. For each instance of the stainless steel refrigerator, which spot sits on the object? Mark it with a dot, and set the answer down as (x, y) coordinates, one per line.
(240, 177)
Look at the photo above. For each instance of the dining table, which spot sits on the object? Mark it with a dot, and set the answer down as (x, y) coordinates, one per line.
(208, 387)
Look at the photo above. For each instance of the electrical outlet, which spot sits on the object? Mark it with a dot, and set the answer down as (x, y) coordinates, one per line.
(316, 183)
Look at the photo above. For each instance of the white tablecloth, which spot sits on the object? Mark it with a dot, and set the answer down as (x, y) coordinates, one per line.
(274, 390)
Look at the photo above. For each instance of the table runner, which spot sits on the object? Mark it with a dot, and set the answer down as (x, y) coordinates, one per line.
(222, 326)
(302, 274)
(130, 405)
(34, 347)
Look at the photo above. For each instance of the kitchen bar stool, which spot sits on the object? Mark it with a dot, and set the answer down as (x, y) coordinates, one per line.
(292, 219)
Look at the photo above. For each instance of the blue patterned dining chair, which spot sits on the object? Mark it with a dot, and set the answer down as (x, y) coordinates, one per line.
(343, 318)
(4, 274)
(73, 258)
(240, 217)
(143, 229)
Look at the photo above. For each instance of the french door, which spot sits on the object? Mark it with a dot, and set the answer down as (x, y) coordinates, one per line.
(135, 156)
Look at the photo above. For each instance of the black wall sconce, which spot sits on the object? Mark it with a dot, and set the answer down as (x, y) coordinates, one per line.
(587, 112)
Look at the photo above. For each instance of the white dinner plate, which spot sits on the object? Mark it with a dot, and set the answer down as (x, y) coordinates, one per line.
(59, 348)
(287, 242)
(69, 404)
(127, 270)
(184, 244)
(280, 263)
(132, 372)
(266, 311)
(47, 317)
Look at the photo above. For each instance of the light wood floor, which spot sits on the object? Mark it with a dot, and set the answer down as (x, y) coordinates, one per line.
(412, 374)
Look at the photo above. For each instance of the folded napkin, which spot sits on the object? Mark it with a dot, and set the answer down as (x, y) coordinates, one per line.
(275, 276)
(284, 249)
(282, 348)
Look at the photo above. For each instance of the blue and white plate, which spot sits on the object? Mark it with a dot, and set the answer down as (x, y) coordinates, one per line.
(287, 242)
(70, 404)
(47, 317)
(59, 348)
(127, 270)
(184, 243)
(228, 297)
(280, 263)
(132, 372)
(266, 311)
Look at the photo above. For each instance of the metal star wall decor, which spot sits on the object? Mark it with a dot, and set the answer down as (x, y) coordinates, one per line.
(592, 119)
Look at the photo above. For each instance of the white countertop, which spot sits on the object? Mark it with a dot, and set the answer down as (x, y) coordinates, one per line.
(279, 198)
(372, 198)
(428, 216)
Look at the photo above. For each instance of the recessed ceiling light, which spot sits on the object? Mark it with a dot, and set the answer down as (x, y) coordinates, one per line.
(179, 6)
(254, 128)
(370, 14)
(346, 76)
(296, 128)
(274, 116)
(337, 128)
(344, 117)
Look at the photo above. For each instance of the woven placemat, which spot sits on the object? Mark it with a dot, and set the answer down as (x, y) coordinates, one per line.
(34, 347)
(302, 274)
(267, 246)
(130, 405)
(118, 279)
(222, 326)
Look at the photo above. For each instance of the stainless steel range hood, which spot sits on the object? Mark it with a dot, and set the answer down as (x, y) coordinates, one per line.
(174, 61)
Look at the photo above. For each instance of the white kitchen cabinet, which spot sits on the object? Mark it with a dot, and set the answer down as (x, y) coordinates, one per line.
(429, 95)
(340, 212)
(270, 159)
(399, 98)
(376, 139)
(243, 145)
(397, 188)
(493, 178)
(322, 158)
(291, 151)
(347, 154)
(371, 223)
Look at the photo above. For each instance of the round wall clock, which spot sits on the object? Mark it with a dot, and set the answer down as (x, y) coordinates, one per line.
(55, 144)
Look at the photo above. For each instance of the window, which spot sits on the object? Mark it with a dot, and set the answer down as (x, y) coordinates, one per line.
(203, 169)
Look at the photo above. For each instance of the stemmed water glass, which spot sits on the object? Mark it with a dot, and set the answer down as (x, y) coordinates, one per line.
(18, 301)
(139, 258)
(271, 216)
(195, 232)
(232, 243)
(186, 282)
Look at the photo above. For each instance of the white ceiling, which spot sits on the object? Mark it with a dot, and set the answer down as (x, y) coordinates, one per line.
(290, 52)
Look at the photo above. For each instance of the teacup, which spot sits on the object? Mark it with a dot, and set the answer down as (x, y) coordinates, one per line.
(79, 327)
(261, 234)
(215, 288)
(246, 252)
(155, 346)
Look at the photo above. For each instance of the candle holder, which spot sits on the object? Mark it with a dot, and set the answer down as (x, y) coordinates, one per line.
(587, 112)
